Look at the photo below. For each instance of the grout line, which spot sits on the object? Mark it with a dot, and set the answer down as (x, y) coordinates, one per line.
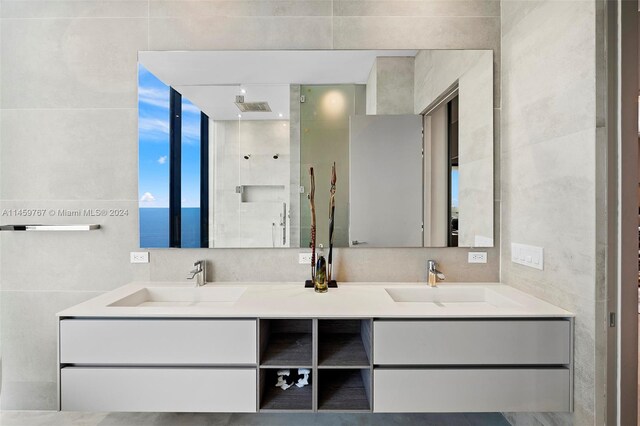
(188, 18)
(332, 16)
(54, 291)
(55, 200)
(333, 46)
(72, 109)
(35, 18)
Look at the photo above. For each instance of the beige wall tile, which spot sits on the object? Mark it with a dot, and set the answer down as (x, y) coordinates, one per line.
(69, 154)
(415, 33)
(393, 85)
(269, 8)
(74, 9)
(89, 63)
(240, 33)
(350, 264)
(444, 8)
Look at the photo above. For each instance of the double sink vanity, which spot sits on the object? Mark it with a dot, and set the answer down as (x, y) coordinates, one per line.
(381, 347)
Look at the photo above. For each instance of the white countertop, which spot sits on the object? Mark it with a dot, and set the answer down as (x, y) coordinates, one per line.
(292, 300)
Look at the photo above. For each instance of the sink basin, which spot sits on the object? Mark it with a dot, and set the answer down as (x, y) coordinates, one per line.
(443, 296)
(181, 296)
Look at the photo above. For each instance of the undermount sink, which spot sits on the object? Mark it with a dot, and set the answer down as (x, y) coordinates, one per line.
(181, 296)
(443, 296)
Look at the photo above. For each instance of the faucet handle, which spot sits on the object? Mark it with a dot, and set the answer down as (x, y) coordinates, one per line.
(431, 265)
(199, 268)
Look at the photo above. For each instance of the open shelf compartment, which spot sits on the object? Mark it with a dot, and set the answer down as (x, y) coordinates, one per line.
(344, 390)
(344, 343)
(273, 398)
(286, 343)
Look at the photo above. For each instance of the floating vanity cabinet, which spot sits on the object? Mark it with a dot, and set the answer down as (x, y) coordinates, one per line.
(176, 365)
(472, 365)
(355, 364)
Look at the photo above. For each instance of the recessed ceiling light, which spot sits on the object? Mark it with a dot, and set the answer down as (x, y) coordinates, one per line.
(243, 91)
(280, 115)
(239, 115)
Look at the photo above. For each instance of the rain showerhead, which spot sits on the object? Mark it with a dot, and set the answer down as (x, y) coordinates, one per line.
(243, 106)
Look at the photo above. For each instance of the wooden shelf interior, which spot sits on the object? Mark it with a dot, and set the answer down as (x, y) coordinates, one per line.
(273, 398)
(344, 390)
(286, 343)
(344, 343)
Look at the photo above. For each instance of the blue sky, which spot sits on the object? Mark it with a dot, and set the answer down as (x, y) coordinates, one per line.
(153, 134)
(454, 187)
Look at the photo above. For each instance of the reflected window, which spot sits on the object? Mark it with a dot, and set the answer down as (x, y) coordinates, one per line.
(173, 166)
(190, 175)
(453, 154)
(153, 134)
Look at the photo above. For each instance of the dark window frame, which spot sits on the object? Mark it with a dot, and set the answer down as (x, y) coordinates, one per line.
(175, 173)
(204, 180)
(175, 168)
(452, 138)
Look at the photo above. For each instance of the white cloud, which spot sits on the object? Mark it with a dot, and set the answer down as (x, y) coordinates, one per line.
(191, 133)
(154, 97)
(147, 197)
(162, 159)
(190, 108)
(151, 126)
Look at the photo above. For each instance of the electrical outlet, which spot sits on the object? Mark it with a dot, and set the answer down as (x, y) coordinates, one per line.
(526, 255)
(477, 257)
(304, 258)
(139, 257)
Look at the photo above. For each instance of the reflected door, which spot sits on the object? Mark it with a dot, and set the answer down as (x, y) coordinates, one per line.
(385, 195)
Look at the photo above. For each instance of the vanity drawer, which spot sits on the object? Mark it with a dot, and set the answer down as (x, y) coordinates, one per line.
(158, 389)
(151, 341)
(471, 390)
(469, 342)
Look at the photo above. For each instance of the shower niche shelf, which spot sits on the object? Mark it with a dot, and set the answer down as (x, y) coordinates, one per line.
(261, 193)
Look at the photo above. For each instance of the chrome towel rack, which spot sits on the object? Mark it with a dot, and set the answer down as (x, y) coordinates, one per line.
(81, 227)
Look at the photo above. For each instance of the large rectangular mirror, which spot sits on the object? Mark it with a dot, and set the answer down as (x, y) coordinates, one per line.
(226, 140)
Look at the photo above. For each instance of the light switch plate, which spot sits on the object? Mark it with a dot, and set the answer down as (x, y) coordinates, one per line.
(139, 257)
(477, 257)
(304, 258)
(526, 255)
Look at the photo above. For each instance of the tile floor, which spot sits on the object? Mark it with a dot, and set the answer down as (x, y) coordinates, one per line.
(52, 418)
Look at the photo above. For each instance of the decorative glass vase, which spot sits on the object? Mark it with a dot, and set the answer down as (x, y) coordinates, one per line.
(321, 285)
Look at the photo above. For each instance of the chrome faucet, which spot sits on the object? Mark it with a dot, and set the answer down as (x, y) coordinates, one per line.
(200, 273)
(433, 275)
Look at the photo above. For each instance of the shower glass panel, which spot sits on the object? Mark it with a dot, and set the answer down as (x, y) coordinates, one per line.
(324, 137)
